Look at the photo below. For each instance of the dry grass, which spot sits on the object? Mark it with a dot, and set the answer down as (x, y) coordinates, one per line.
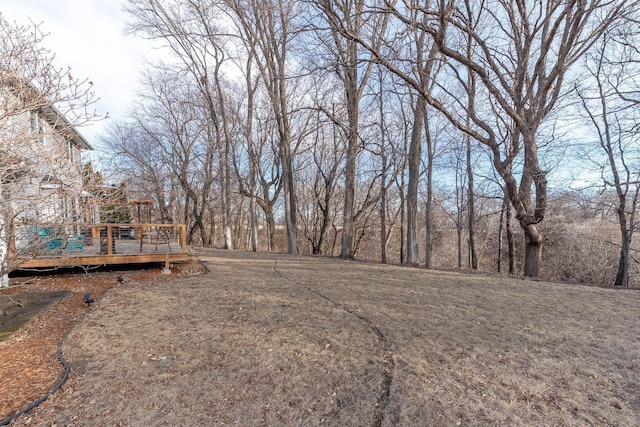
(29, 366)
(278, 340)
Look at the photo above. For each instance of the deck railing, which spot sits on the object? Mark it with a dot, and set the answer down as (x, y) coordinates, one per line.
(71, 239)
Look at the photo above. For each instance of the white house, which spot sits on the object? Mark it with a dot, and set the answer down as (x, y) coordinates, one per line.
(40, 167)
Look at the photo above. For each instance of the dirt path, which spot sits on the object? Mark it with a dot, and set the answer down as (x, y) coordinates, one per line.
(385, 350)
(275, 340)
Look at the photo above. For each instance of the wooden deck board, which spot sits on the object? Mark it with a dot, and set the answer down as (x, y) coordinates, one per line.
(126, 252)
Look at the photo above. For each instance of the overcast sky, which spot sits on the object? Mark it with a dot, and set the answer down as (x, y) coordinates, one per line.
(87, 35)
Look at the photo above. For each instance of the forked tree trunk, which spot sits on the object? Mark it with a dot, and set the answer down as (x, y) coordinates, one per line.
(251, 88)
(532, 250)
(471, 216)
(528, 199)
(271, 229)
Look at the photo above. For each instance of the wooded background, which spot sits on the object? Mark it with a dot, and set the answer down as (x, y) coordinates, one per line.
(500, 136)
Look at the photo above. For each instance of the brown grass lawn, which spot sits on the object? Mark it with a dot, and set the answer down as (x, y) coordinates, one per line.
(275, 340)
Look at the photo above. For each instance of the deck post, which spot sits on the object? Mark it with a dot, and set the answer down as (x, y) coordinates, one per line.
(183, 237)
(109, 240)
(166, 269)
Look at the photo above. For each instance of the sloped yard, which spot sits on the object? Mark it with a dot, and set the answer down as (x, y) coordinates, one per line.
(276, 340)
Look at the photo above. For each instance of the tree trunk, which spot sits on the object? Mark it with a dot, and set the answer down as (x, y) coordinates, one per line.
(622, 276)
(471, 216)
(251, 88)
(252, 204)
(351, 93)
(511, 247)
(403, 208)
(290, 204)
(383, 193)
(271, 228)
(530, 210)
(225, 203)
(532, 250)
(459, 238)
(500, 234)
(254, 225)
(383, 224)
(5, 239)
(212, 226)
(347, 220)
(415, 152)
(239, 224)
(428, 233)
(429, 204)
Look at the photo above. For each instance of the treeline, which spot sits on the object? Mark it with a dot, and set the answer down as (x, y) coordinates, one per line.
(392, 131)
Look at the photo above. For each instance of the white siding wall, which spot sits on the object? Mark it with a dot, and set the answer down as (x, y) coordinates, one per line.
(54, 174)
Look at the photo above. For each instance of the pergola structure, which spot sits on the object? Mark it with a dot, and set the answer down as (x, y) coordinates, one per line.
(140, 207)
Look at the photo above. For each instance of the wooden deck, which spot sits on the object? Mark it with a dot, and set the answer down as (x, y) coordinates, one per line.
(114, 244)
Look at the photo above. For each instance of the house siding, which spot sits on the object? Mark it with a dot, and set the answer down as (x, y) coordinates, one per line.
(50, 178)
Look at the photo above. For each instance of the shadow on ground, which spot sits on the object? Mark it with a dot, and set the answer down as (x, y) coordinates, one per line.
(17, 309)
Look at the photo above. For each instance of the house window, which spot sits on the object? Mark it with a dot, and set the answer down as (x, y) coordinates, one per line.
(40, 130)
(34, 123)
(70, 154)
(37, 126)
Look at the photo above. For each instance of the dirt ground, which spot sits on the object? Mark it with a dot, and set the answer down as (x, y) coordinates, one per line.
(17, 309)
(275, 340)
(42, 309)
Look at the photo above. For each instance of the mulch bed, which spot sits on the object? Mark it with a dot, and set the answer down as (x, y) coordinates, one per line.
(29, 366)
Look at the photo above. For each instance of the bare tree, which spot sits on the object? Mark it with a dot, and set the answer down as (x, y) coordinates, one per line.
(267, 28)
(613, 68)
(323, 164)
(346, 17)
(270, 180)
(137, 159)
(170, 132)
(189, 30)
(505, 225)
(418, 71)
(252, 86)
(520, 57)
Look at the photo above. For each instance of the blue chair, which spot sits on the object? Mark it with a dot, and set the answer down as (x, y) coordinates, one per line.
(74, 244)
(51, 240)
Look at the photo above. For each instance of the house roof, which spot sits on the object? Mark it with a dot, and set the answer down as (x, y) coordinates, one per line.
(54, 117)
(51, 114)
